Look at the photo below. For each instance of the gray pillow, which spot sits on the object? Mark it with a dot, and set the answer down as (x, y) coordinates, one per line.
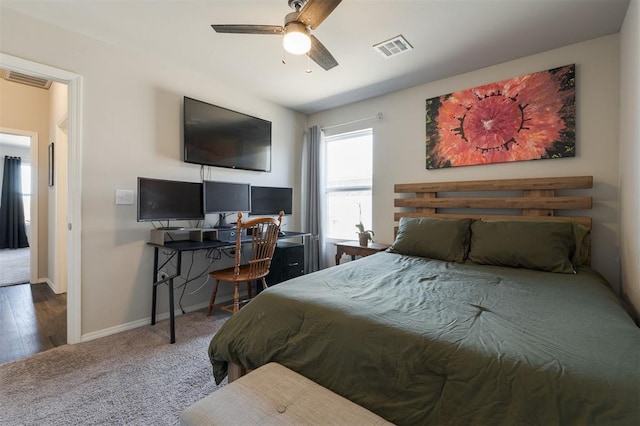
(545, 246)
(443, 239)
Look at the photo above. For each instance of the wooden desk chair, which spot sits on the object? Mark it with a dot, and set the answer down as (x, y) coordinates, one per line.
(263, 232)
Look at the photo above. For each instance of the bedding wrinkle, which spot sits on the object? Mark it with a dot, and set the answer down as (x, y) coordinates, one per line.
(430, 278)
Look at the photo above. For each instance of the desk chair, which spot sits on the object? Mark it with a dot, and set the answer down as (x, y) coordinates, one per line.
(263, 232)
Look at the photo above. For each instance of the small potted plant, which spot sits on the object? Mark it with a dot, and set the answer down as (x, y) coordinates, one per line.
(364, 235)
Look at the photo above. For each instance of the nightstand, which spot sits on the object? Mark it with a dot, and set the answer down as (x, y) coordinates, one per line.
(353, 249)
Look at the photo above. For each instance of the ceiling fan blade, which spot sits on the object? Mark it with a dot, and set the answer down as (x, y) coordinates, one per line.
(321, 55)
(316, 11)
(248, 29)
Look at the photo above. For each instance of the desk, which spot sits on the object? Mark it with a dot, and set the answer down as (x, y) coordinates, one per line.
(353, 248)
(177, 248)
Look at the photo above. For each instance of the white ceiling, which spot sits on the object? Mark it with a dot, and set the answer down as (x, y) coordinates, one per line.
(449, 37)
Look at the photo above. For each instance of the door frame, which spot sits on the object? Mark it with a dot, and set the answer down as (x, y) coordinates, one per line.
(74, 173)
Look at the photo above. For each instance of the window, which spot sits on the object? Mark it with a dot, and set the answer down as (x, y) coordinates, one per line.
(25, 171)
(349, 177)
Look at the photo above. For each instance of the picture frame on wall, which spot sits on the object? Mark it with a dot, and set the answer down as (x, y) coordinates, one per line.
(530, 117)
(51, 164)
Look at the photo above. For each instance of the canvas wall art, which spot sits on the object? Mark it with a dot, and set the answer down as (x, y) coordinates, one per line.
(531, 117)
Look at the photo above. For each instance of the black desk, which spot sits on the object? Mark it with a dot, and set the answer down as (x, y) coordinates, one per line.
(178, 247)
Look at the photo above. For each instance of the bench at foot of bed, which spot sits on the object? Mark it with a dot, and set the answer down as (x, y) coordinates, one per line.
(274, 395)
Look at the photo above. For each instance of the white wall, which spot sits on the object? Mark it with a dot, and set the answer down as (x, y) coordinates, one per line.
(630, 153)
(57, 217)
(132, 127)
(399, 138)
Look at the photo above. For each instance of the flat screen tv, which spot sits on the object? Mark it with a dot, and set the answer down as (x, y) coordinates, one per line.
(269, 200)
(160, 199)
(216, 136)
(225, 198)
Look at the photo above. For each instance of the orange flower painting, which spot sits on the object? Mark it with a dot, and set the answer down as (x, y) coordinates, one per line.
(531, 117)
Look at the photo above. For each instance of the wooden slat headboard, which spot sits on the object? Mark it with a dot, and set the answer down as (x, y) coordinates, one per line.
(535, 198)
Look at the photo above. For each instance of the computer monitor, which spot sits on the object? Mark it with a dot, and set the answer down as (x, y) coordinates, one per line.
(160, 199)
(224, 198)
(270, 200)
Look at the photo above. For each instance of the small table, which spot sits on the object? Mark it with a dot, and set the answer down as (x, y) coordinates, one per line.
(353, 248)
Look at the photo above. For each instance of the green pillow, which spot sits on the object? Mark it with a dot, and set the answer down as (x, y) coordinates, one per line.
(582, 235)
(545, 246)
(443, 239)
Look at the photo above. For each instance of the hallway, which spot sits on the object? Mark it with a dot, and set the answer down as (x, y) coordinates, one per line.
(14, 266)
(32, 319)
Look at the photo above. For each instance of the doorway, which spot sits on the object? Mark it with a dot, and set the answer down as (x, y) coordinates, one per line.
(73, 125)
(20, 265)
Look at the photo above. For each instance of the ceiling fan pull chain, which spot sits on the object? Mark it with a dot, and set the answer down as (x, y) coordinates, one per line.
(308, 70)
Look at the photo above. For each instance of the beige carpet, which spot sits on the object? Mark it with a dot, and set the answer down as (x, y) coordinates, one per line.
(132, 378)
(14, 266)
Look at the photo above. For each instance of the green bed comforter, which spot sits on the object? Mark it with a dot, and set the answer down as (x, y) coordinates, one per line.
(421, 341)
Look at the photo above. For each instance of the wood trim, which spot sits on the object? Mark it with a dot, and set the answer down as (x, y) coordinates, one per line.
(536, 198)
(525, 202)
(571, 182)
(235, 371)
(533, 193)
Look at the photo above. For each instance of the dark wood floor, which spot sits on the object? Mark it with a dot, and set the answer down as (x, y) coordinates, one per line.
(32, 319)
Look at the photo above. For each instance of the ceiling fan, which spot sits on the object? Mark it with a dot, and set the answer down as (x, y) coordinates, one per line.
(308, 15)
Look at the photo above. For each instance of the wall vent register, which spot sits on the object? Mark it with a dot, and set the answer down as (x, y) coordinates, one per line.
(29, 80)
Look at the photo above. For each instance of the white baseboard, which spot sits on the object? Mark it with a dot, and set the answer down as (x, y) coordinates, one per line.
(49, 283)
(139, 323)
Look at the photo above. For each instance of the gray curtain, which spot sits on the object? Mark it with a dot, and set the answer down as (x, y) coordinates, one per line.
(313, 197)
(12, 230)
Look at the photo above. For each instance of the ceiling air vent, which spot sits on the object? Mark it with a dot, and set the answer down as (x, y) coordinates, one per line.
(393, 47)
(30, 80)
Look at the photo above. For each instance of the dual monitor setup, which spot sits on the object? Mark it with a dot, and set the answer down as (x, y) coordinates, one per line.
(170, 200)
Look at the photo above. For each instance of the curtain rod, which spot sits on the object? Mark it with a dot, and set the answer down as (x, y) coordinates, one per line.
(378, 116)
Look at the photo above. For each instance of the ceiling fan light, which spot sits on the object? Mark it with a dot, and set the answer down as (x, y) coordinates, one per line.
(296, 39)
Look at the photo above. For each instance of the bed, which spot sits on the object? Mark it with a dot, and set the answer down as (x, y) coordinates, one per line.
(469, 318)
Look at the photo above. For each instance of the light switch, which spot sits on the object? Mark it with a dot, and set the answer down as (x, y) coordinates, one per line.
(124, 196)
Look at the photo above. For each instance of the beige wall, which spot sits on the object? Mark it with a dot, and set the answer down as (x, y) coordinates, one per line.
(399, 147)
(131, 116)
(27, 108)
(630, 153)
